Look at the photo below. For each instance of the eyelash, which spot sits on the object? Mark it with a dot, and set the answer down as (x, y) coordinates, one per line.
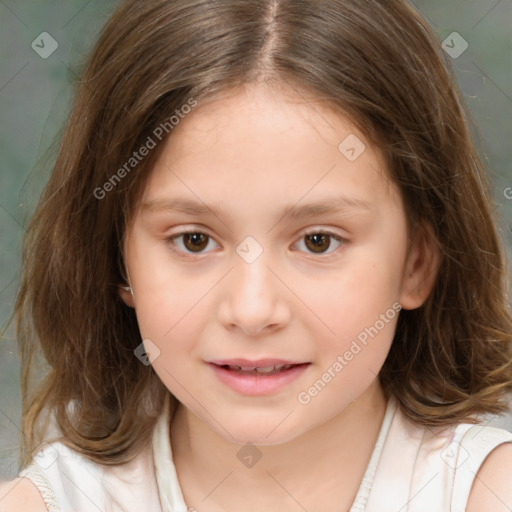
(328, 233)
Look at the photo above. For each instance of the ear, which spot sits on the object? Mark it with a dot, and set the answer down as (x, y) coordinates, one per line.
(126, 294)
(421, 268)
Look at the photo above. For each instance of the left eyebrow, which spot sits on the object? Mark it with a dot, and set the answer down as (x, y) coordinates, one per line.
(331, 205)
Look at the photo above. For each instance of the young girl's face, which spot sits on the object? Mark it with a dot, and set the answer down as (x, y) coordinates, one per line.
(297, 254)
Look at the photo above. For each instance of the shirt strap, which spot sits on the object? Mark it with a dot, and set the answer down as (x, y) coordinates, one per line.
(476, 444)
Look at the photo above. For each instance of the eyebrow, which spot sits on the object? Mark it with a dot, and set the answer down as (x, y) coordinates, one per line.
(197, 208)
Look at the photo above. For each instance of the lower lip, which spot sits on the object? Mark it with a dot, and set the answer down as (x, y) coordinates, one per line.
(258, 383)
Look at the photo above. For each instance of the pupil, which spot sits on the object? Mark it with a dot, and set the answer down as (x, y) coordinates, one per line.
(195, 241)
(320, 242)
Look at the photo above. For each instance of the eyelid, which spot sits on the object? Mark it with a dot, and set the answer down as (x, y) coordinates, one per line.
(184, 230)
(318, 229)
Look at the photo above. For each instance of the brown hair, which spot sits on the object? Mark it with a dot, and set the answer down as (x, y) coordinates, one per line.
(377, 62)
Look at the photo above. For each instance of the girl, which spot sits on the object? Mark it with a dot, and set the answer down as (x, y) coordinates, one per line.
(264, 273)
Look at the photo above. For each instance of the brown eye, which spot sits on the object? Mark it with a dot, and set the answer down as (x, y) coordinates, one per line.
(318, 242)
(193, 242)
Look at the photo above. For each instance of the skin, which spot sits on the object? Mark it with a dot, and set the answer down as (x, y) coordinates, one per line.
(255, 153)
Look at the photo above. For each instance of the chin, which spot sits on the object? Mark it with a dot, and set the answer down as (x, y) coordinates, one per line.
(261, 432)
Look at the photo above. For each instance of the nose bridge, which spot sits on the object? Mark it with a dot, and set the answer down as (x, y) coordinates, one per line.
(251, 274)
(253, 298)
(251, 282)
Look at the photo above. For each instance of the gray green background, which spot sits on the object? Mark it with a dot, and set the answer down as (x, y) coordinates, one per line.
(36, 94)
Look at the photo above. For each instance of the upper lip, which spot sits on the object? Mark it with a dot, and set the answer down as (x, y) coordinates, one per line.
(258, 363)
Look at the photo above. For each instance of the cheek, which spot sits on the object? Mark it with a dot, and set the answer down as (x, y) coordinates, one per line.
(175, 329)
(166, 295)
(353, 299)
(361, 344)
(349, 365)
(172, 320)
(358, 310)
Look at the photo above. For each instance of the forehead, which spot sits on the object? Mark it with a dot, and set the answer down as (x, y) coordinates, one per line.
(259, 109)
(275, 144)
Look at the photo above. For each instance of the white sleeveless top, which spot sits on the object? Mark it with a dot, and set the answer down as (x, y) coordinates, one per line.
(412, 468)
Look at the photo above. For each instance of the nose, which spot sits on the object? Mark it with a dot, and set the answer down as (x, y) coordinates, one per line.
(254, 300)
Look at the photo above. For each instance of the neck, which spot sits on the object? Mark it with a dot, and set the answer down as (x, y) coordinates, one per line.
(332, 460)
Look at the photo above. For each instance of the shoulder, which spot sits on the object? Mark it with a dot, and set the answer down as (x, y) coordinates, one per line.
(20, 495)
(491, 490)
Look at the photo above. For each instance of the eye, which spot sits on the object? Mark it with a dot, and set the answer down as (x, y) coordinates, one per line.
(316, 242)
(320, 242)
(192, 242)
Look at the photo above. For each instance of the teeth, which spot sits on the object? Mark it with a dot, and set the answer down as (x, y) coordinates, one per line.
(267, 369)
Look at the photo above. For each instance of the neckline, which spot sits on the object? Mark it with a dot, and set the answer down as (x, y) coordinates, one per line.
(365, 487)
(169, 489)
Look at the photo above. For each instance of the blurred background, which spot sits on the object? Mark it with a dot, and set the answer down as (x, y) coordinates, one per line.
(42, 46)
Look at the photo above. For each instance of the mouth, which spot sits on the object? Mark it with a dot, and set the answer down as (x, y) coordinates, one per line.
(266, 366)
(261, 377)
(260, 370)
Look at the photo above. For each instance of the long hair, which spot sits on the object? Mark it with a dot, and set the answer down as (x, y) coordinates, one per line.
(375, 61)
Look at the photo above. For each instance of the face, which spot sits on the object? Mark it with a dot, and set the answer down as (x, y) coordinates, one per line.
(269, 258)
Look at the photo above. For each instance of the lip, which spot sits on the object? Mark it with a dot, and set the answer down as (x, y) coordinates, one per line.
(255, 363)
(257, 384)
